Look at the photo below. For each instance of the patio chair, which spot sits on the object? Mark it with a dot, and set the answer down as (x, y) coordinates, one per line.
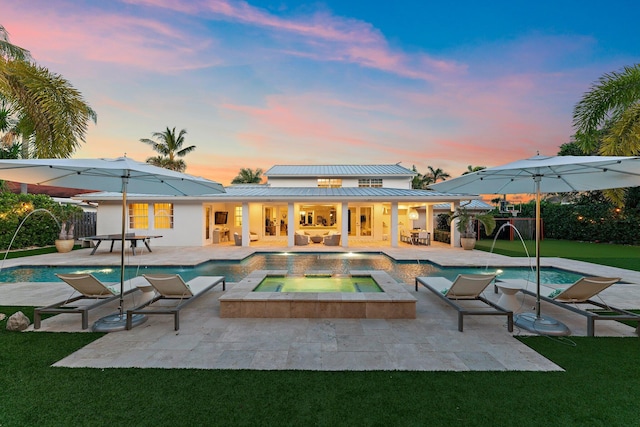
(300, 239)
(466, 287)
(237, 238)
(89, 288)
(173, 287)
(424, 238)
(580, 293)
(331, 239)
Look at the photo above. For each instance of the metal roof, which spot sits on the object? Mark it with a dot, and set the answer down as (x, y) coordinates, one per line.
(473, 205)
(338, 170)
(268, 194)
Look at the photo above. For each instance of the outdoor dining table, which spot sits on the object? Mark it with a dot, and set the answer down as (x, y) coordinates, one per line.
(118, 237)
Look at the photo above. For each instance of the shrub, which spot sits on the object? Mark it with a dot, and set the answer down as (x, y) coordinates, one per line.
(37, 211)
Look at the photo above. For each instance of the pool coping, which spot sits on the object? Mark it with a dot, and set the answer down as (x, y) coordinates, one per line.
(395, 302)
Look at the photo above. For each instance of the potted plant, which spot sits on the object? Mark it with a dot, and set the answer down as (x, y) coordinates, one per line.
(65, 240)
(465, 225)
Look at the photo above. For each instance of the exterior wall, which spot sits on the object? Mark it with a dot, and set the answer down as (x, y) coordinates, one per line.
(188, 224)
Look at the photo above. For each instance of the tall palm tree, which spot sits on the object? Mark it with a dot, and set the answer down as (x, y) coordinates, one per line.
(607, 118)
(471, 169)
(248, 176)
(608, 114)
(436, 174)
(169, 146)
(48, 113)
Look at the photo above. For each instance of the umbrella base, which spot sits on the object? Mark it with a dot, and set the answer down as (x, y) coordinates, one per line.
(541, 325)
(117, 322)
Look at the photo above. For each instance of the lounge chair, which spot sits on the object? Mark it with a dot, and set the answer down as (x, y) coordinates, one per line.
(89, 288)
(173, 287)
(466, 287)
(580, 293)
(300, 239)
(331, 239)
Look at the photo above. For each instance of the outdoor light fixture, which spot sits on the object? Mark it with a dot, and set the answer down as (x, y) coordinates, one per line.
(413, 214)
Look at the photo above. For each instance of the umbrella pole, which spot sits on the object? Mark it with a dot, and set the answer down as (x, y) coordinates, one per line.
(122, 242)
(538, 222)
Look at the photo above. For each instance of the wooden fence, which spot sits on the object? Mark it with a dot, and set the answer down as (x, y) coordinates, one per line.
(85, 224)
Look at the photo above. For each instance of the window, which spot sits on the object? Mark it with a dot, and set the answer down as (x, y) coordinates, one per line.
(237, 217)
(163, 215)
(139, 215)
(370, 182)
(329, 183)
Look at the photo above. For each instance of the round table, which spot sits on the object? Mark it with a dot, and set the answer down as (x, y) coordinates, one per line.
(317, 239)
(508, 299)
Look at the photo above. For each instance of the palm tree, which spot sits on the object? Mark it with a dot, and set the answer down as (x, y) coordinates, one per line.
(609, 114)
(607, 118)
(169, 146)
(436, 174)
(471, 169)
(46, 111)
(248, 176)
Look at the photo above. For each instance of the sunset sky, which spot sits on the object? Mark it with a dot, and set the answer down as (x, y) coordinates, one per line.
(264, 82)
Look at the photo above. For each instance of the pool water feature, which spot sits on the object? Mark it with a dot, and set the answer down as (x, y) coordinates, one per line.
(292, 264)
(318, 284)
(393, 302)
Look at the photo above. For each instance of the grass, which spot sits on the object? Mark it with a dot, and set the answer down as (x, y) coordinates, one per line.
(599, 387)
(621, 256)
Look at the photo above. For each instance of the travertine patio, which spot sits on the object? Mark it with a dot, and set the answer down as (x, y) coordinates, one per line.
(207, 341)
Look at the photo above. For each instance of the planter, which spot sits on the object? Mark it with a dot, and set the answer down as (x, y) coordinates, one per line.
(64, 246)
(468, 243)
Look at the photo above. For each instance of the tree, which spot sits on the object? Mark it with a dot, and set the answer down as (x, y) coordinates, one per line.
(607, 118)
(435, 174)
(609, 114)
(416, 182)
(45, 111)
(169, 146)
(248, 176)
(471, 169)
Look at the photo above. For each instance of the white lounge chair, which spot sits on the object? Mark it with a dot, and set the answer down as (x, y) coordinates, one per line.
(466, 287)
(89, 288)
(580, 294)
(173, 287)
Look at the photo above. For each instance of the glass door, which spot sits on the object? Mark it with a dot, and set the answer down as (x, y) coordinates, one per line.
(360, 221)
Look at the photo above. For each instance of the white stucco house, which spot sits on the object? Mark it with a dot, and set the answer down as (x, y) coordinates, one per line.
(362, 203)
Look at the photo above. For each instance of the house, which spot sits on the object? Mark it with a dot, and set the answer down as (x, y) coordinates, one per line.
(362, 203)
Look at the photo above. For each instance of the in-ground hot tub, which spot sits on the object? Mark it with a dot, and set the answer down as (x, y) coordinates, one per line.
(393, 301)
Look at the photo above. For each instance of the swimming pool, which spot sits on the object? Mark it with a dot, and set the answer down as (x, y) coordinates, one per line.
(294, 264)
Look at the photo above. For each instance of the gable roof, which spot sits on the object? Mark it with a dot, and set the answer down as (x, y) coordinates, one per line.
(281, 171)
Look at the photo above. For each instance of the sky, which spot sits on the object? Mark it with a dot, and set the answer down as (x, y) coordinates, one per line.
(258, 83)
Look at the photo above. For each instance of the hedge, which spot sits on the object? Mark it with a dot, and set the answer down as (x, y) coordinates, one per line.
(37, 211)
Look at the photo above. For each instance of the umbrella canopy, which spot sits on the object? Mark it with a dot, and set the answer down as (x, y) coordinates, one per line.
(558, 174)
(115, 175)
(106, 175)
(542, 174)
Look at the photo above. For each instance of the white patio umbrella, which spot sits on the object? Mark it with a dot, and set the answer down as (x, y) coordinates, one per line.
(542, 174)
(115, 175)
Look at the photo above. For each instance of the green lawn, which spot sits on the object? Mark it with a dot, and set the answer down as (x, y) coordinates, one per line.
(621, 256)
(599, 387)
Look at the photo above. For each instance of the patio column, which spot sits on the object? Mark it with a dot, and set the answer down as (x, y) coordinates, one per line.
(453, 228)
(394, 225)
(430, 219)
(291, 224)
(344, 225)
(245, 224)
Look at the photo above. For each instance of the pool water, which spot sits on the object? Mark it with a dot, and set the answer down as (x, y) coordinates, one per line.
(294, 264)
(318, 284)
